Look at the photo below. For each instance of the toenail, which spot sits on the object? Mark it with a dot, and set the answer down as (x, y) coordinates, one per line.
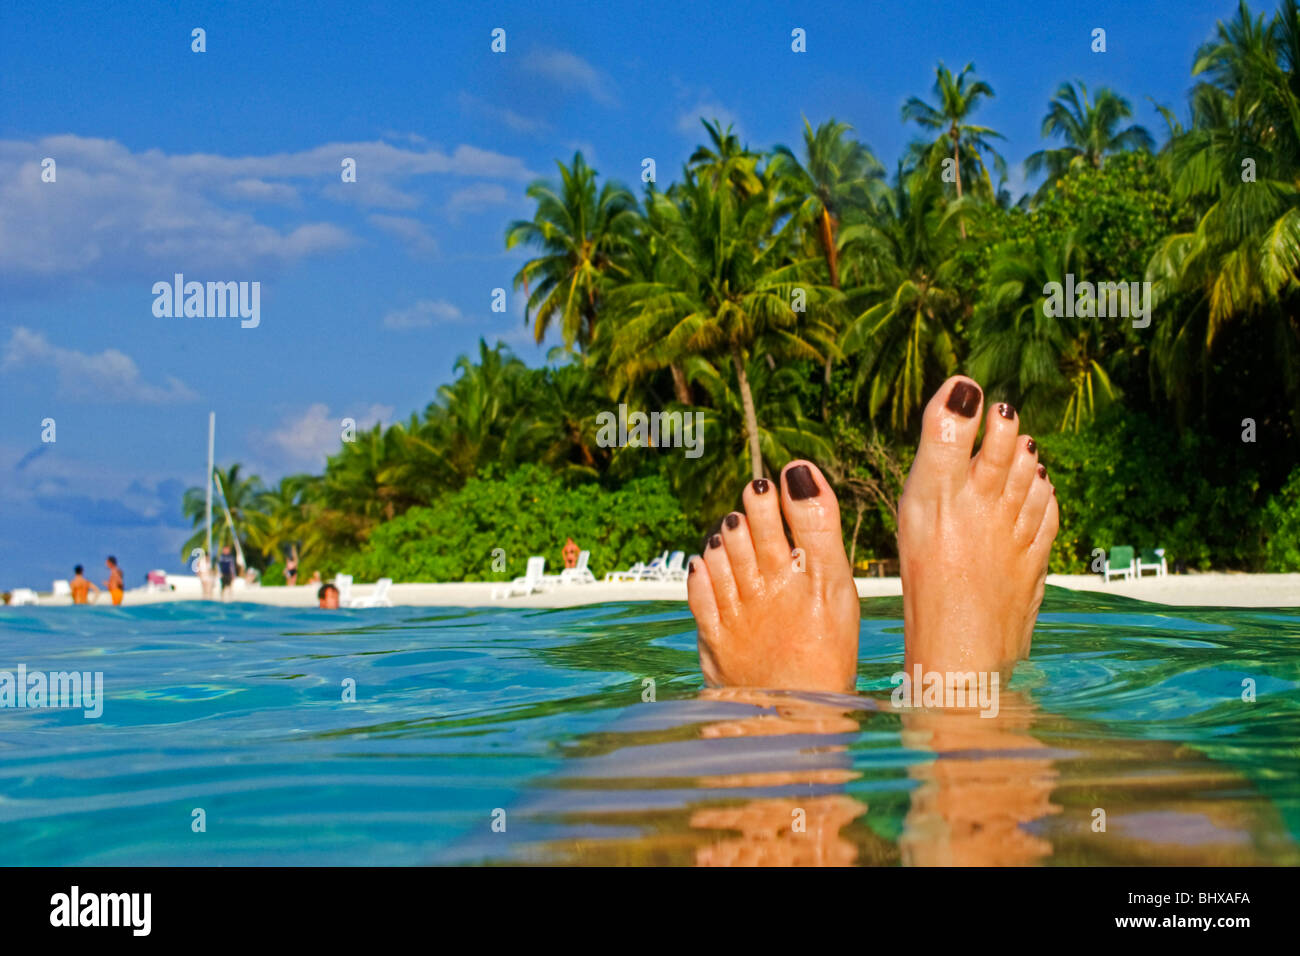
(1042, 472)
(799, 482)
(1031, 446)
(964, 399)
(691, 568)
(732, 520)
(1006, 411)
(715, 541)
(761, 485)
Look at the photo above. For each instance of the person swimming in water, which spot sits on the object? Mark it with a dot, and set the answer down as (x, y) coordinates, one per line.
(974, 536)
(82, 586)
(116, 583)
(328, 595)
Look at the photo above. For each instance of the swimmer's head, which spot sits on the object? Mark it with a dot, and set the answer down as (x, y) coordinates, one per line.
(329, 597)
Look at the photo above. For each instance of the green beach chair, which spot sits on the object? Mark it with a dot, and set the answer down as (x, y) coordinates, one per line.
(1121, 563)
(1152, 559)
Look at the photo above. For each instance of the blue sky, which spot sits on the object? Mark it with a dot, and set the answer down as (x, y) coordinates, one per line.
(224, 166)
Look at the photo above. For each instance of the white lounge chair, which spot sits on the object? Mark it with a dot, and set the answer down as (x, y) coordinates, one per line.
(655, 570)
(675, 570)
(629, 575)
(23, 596)
(63, 589)
(579, 574)
(344, 583)
(530, 582)
(1120, 563)
(379, 598)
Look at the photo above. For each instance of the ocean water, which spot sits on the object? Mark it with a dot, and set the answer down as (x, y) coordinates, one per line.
(585, 735)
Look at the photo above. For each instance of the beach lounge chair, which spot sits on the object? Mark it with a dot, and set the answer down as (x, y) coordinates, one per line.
(1121, 563)
(1152, 559)
(344, 583)
(675, 569)
(530, 582)
(580, 573)
(655, 570)
(629, 575)
(23, 596)
(63, 589)
(379, 598)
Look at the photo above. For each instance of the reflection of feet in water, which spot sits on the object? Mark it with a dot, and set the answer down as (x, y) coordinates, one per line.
(770, 618)
(974, 536)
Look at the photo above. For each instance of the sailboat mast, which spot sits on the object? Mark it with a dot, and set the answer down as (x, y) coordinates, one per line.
(212, 436)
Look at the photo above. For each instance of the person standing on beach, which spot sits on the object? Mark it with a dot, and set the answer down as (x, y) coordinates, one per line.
(570, 553)
(116, 583)
(226, 564)
(291, 571)
(81, 586)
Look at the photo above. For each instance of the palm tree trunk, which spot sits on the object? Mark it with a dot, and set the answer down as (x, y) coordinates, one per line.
(681, 387)
(956, 163)
(751, 419)
(827, 235)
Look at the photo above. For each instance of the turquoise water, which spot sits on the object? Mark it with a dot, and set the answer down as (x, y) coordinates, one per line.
(533, 722)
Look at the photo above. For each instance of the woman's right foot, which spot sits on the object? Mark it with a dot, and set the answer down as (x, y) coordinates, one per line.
(974, 537)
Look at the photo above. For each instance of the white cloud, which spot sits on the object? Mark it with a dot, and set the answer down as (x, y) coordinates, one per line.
(114, 213)
(110, 376)
(422, 315)
(475, 197)
(503, 115)
(411, 232)
(308, 437)
(571, 72)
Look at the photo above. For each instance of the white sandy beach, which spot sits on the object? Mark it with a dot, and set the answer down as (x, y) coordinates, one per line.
(1213, 589)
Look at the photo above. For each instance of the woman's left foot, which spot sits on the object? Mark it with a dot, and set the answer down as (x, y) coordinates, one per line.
(769, 617)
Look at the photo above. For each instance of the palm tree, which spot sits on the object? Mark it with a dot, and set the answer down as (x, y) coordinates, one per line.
(1090, 130)
(958, 101)
(728, 293)
(583, 233)
(837, 173)
(241, 496)
(1241, 262)
(726, 161)
(907, 303)
(1052, 368)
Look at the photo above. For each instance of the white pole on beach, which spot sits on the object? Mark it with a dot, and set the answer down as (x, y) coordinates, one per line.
(212, 437)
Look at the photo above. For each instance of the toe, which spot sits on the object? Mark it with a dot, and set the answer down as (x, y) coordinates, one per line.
(948, 431)
(997, 450)
(813, 514)
(704, 607)
(725, 593)
(763, 516)
(1041, 546)
(1021, 475)
(1034, 508)
(740, 555)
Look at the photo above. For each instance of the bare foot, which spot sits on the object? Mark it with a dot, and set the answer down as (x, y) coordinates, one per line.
(769, 618)
(974, 537)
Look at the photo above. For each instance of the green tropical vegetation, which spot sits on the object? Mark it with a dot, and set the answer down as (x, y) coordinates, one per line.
(806, 302)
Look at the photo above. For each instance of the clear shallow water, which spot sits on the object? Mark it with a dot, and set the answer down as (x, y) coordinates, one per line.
(1129, 709)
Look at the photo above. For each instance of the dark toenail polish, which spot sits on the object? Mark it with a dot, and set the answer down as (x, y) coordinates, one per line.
(964, 399)
(732, 520)
(761, 485)
(1042, 472)
(1031, 445)
(1053, 492)
(691, 570)
(715, 541)
(1006, 411)
(799, 482)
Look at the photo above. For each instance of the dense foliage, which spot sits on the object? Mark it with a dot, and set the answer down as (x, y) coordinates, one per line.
(806, 302)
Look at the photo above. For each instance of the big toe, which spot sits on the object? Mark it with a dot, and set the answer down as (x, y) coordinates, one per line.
(948, 431)
(813, 514)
